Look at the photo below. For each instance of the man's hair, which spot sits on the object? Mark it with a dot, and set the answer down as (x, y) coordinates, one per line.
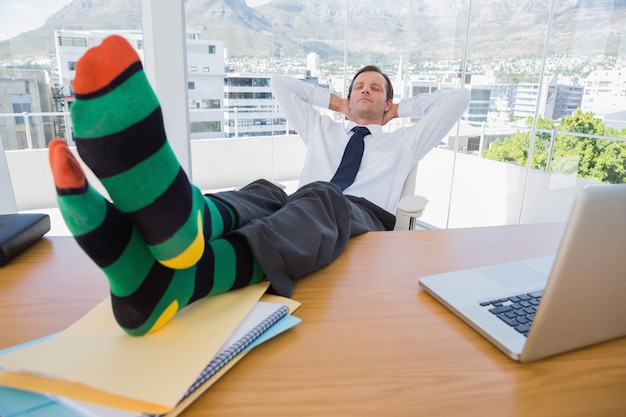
(375, 69)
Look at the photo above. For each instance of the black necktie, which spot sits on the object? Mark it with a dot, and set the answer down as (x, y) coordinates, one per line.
(351, 159)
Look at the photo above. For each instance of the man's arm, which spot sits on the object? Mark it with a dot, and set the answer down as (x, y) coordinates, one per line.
(437, 101)
(296, 99)
(340, 105)
(438, 112)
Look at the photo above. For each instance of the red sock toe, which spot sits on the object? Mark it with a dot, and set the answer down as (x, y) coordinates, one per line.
(102, 64)
(66, 170)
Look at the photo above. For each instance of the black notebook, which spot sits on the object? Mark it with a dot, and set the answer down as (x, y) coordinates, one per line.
(19, 231)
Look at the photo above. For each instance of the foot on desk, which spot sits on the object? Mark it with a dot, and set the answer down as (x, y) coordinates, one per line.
(119, 134)
(145, 294)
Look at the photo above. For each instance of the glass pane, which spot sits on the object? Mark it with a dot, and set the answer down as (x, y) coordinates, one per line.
(580, 137)
(561, 117)
(37, 59)
(37, 68)
(423, 51)
(503, 51)
(237, 132)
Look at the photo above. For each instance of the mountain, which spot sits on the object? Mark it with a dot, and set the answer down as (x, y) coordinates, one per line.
(243, 30)
(425, 29)
(77, 15)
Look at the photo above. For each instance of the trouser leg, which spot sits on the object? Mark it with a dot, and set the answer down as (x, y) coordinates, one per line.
(306, 233)
(258, 199)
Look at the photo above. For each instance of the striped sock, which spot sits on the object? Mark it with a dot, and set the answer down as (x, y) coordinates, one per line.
(145, 294)
(119, 134)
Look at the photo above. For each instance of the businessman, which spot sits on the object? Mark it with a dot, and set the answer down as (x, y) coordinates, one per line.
(162, 244)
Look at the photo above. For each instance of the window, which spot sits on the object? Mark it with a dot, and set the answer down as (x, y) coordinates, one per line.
(212, 104)
(205, 104)
(21, 104)
(249, 96)
(205, 127)
(247, 81)
(508, 63)
(68, 41)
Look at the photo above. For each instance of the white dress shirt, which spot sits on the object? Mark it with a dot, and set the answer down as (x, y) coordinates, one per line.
(388, 157)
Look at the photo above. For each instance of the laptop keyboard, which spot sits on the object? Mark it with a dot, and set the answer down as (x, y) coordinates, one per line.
(518, 311)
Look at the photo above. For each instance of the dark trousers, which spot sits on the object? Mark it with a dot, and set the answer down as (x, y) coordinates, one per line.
(294, 235)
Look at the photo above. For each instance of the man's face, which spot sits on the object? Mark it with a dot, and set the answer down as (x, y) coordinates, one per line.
(368, 99)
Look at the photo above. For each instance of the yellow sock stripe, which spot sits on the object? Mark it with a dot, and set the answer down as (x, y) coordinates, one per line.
(192, 254)
(166, 316)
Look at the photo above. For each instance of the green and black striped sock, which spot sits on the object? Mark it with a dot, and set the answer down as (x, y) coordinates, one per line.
(161, 243)
(119, 133)
(145, 294)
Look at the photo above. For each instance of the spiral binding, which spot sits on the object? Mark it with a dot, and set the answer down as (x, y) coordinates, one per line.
(233, 350)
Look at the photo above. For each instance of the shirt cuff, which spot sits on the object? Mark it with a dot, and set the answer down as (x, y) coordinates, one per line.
(320, 97)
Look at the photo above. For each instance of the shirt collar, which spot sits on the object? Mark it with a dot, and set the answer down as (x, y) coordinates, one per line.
(375, 129)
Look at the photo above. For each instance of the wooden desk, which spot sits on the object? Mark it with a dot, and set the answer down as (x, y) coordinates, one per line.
(371, 342)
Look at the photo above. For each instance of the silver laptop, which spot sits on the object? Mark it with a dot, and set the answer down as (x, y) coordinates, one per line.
(579, 294)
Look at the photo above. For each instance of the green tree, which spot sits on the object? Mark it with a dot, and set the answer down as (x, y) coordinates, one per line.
(601, 160)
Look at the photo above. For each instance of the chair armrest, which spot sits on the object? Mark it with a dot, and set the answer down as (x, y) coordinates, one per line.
(412, 205)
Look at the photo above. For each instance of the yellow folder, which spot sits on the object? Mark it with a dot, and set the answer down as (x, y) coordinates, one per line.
(95, 361)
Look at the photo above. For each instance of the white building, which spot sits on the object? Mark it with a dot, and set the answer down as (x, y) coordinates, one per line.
(313, 65)
(605, 95)
(24, 97)
(70, 45)
(525, 99)
(205, 83)
(559, 97)
(249, 107)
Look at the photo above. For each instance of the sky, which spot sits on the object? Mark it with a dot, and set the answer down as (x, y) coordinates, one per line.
(18, 16)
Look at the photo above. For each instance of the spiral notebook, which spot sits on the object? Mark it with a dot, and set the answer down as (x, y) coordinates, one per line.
(94, 361)
(250, 333)
(266, 320)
